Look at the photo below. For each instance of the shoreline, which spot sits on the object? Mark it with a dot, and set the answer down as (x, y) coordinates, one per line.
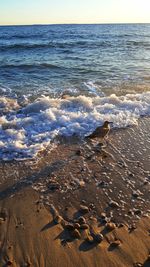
(105, 185)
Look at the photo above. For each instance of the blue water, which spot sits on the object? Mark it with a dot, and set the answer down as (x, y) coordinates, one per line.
(66, 79)
(54, 58)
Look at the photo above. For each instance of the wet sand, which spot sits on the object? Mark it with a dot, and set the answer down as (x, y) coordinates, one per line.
(81, 204)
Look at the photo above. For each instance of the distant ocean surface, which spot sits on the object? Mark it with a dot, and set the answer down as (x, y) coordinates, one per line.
(66, 79)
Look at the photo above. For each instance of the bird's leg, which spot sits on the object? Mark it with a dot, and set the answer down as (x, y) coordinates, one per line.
(98, 146)
(106, 136)
(106, 140)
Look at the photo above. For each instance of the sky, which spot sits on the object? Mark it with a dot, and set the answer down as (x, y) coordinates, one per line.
(20, 12)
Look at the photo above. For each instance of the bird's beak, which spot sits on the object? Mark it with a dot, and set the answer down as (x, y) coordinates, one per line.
(110, 122)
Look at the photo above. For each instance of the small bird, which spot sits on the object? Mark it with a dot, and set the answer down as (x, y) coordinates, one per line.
(101, 131)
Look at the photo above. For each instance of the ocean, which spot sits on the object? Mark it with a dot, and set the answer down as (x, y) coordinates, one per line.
(60, 80)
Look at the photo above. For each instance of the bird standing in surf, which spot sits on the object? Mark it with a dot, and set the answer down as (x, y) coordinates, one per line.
(101, 131)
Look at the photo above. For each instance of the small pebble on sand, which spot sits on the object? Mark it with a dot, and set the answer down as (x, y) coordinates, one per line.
(116, 243)
(110, 226)
(84, 209)
(98, 238)
(84, 226)
(77, 226)
(76, 234)
(114, 204)
(58, 219)
(81, 220)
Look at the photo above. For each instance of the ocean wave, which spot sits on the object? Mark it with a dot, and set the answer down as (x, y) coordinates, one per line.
(20, 36)
(72, 44)
(138, 44)
(30, 129)
(46, 65)
(30, 66)
(58, 45)
(25, 46)
(23, 36)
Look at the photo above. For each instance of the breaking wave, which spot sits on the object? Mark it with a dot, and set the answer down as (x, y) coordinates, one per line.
(26, 129)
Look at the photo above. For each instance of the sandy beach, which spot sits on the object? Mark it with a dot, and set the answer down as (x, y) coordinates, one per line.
(81, 204)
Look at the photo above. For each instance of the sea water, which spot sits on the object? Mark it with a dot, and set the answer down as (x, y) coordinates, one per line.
(68, 79)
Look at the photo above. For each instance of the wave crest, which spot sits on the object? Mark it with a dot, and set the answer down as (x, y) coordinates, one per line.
(31, 128)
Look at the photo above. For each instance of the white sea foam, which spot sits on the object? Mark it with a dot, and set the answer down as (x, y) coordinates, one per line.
(8, 104)
(28, 130)
(93, 88)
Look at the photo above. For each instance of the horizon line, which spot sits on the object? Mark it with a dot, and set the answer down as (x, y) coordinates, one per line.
(75, 23)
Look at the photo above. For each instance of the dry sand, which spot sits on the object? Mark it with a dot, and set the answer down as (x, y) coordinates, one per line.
(80, 204)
